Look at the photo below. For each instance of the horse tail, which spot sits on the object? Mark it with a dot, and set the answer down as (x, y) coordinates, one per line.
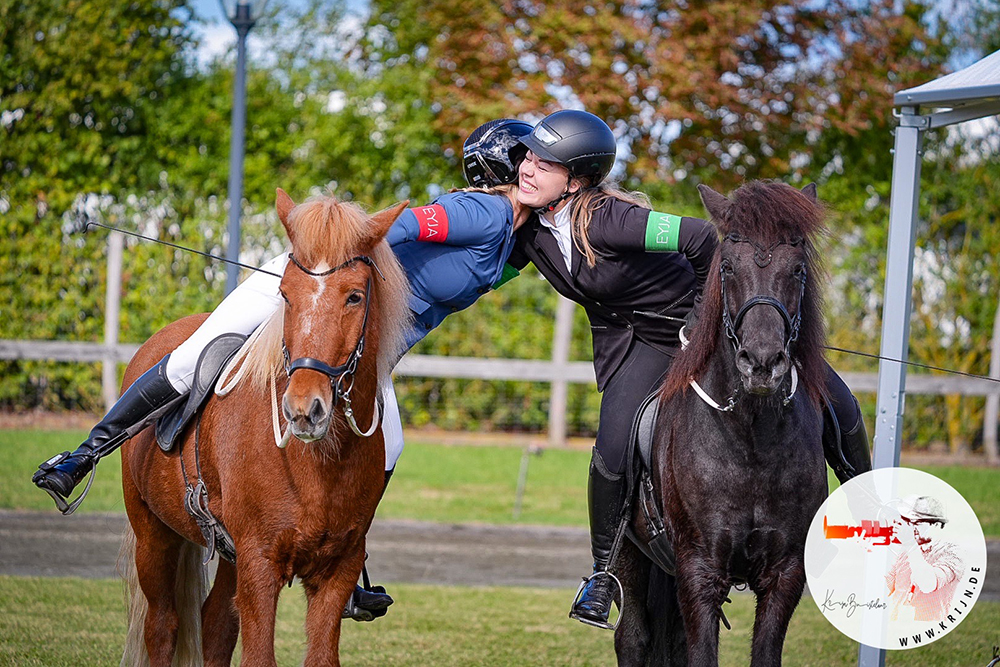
(668, 645)
(135, 644)
(189, 594)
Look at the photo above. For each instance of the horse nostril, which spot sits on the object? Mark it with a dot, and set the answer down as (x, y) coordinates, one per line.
(743, 362)
(318, 412)
(778, 361)
(286, 409)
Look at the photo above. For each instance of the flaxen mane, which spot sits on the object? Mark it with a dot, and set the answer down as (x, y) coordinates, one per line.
(330, 232)
(765, 211)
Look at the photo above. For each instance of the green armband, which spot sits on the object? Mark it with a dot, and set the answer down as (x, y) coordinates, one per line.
(509, 273)
(662, 231)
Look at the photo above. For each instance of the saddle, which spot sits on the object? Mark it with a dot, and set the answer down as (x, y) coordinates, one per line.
(213, 358)
(658, 548)
(171, 425)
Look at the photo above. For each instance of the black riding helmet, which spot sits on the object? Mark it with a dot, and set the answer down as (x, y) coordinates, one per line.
(579, 141)
(486, 153)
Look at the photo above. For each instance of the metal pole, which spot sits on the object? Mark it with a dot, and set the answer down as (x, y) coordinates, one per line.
(993, 400)
(560, 387)
(242, 23)
(112, 308)
(896, 308)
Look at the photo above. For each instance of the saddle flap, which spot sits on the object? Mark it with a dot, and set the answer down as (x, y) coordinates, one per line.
(210, 364)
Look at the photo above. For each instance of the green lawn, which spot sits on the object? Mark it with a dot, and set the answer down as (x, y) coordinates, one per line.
(76, 622)
(436, 482)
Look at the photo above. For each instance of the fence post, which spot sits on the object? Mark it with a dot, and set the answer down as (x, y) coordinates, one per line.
(993, 400)
(112, 307)
(560, 357)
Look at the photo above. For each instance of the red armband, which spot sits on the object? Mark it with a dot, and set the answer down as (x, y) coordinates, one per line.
(433, 223)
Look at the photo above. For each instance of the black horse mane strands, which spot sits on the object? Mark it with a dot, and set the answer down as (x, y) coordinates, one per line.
(767, 212)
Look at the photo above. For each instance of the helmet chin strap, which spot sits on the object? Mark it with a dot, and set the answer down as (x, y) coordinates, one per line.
(551, 206)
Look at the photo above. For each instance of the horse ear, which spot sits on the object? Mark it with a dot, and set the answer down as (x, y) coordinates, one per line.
(717, 205)
(383, 219)
(284, 206)
(810, 191)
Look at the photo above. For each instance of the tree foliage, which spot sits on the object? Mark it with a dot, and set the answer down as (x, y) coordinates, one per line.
(107, 115)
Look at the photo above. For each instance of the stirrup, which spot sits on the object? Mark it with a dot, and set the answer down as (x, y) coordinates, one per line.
(62, 504)
(606, 625)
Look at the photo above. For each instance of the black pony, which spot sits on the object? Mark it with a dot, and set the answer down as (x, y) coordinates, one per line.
(737, 460)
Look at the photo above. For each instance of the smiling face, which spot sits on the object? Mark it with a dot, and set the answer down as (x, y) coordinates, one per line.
(540, 182)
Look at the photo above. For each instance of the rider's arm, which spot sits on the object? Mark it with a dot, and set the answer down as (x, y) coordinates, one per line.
(631, 228)
(459, 218)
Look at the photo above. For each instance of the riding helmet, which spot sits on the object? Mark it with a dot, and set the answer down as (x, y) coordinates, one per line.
(485, 154)
(580, 141)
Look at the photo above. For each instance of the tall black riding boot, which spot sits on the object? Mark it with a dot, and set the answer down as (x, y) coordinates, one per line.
(369, 602)
(846, 451)
(60, 474)
(606, 493)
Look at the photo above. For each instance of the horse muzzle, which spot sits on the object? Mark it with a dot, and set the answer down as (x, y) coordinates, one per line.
(308, 417)
(762, 371)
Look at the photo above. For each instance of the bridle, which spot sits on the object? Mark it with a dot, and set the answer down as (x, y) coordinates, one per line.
(342, 376)
(762, 257)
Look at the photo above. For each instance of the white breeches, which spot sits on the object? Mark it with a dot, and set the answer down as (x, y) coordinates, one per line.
(245, 309)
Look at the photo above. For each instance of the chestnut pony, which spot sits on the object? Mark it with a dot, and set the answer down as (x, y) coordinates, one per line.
(299, 511)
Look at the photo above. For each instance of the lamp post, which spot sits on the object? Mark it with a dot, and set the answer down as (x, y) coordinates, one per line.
(242, 15)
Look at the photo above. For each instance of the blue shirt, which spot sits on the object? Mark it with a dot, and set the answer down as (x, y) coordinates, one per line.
(453, 251)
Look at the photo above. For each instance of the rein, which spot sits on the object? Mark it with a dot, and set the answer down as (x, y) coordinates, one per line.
(762, 257)
(342, 376)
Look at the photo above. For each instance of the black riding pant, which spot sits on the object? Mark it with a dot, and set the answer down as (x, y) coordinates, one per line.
(641, 373)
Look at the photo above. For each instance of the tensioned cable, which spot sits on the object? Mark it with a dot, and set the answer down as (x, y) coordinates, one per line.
(278, 275)
(912, 363)
(180, 247)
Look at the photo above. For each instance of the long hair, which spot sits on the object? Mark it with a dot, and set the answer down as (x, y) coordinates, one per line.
(767, 212)
(329, 231)
(588, 200)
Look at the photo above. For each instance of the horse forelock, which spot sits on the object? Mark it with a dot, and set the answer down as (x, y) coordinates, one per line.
(765, 212)
(328, 231)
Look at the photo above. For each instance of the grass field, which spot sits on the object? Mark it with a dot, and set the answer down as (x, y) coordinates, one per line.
(74, 622)
(436, 482)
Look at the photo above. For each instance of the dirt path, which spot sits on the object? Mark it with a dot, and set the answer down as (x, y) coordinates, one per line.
(86, 545)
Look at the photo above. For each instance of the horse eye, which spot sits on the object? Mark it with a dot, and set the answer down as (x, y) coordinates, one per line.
(285, 297)
(800, 271)
(354, 298)
(727, 268)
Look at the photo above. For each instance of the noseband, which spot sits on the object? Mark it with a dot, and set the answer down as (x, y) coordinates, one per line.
(342, 376)
(762, 257)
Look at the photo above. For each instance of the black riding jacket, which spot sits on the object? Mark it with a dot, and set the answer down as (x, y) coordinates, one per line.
(650, 266)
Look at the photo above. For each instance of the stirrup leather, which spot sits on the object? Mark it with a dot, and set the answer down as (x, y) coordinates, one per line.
(598, 624)
(64, 505)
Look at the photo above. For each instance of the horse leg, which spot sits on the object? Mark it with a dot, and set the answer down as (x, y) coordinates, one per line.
(778, 593)
(701, 591)
(156, 558)
(326, 598)
(632, 635)
(219, 621)
(257, 587)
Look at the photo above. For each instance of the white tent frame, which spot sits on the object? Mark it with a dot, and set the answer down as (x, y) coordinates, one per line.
(965, 95)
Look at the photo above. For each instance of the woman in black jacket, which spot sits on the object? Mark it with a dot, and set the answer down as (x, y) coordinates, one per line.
(636, 272)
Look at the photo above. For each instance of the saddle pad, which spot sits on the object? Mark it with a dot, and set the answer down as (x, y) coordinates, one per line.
(210, 364)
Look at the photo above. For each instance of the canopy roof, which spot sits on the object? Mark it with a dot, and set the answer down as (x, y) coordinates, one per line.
(977, 82)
